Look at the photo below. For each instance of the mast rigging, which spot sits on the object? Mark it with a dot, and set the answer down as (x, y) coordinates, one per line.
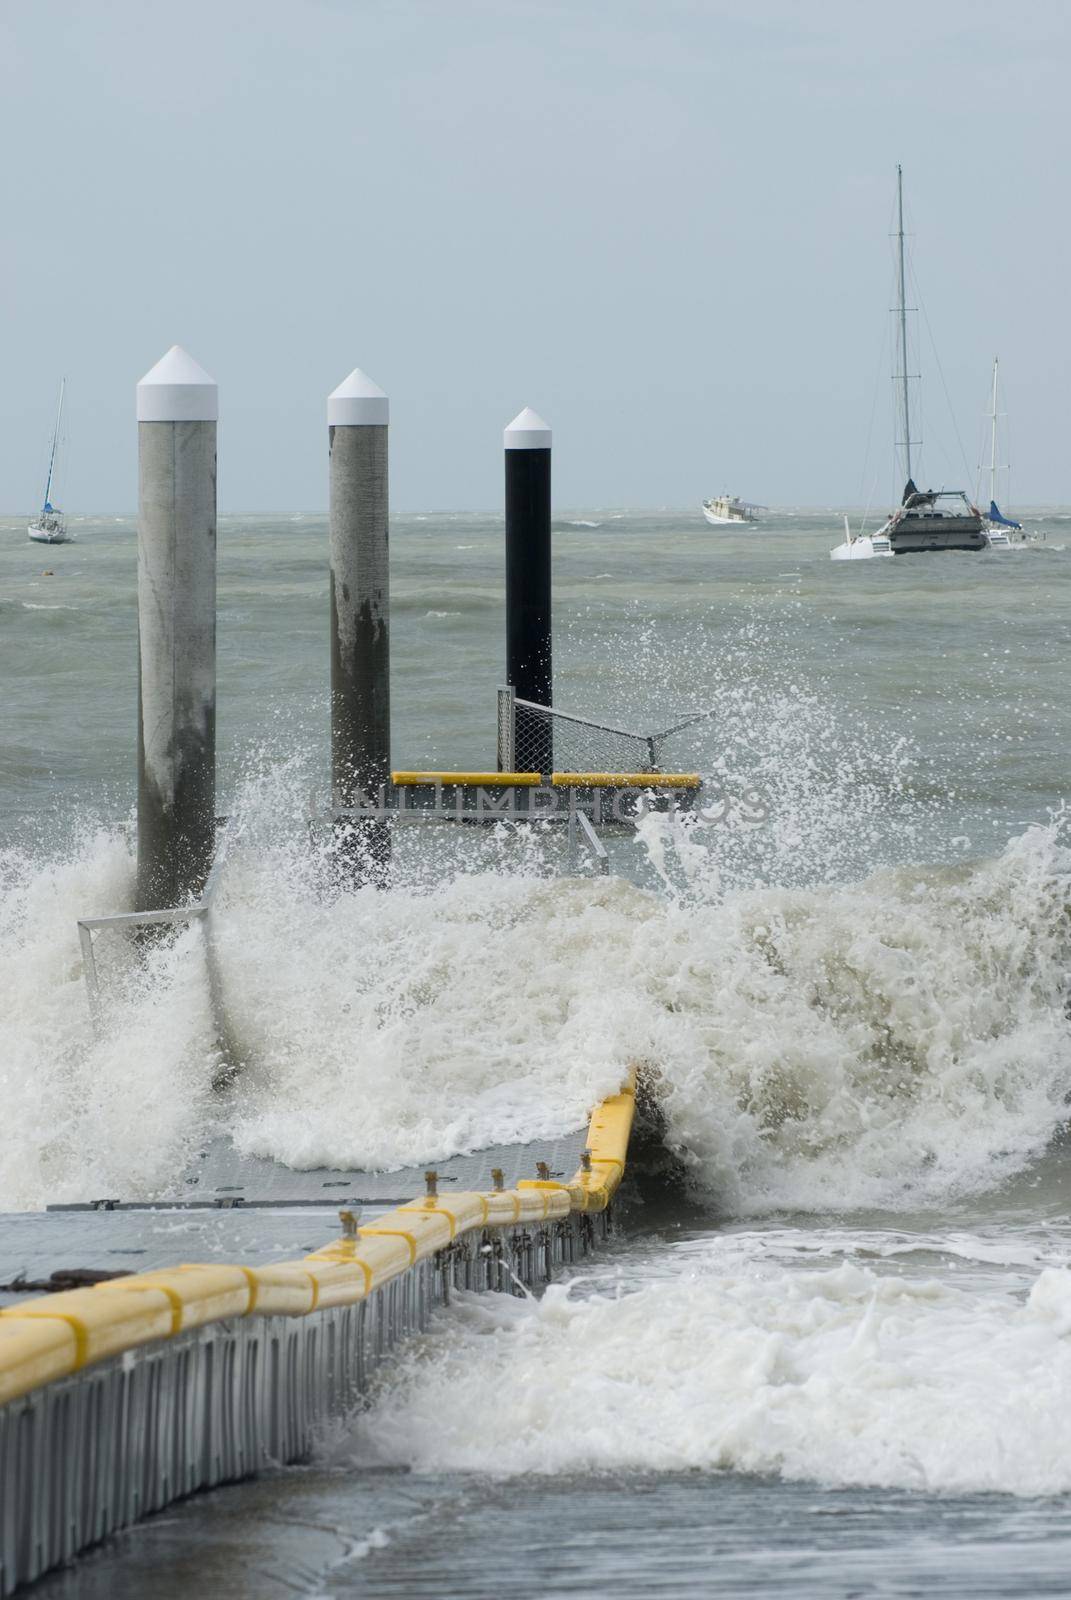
(904, 399)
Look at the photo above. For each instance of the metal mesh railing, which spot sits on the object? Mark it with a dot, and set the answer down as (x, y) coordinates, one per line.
(507, 712)
(535, 738)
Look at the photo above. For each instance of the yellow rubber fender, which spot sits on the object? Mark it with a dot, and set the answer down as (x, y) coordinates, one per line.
(280, 1290)
(197, 1293)
(379, 1259)
(104, 1324)
(33, 1351)
(424, 1231)
(337, 1283)
(531, 1202)
(556, 1201)
(503, 1206)
(592, 1188)
(461, 1211)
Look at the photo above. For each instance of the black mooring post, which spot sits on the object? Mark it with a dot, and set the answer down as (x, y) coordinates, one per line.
(528, 638)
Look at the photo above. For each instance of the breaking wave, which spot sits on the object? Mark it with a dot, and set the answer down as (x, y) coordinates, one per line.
(888, 1043)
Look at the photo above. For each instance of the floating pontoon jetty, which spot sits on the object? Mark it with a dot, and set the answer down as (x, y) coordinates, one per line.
(120, 1397)
(128, 1380)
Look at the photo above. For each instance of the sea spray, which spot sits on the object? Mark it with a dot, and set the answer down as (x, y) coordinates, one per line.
(890, 1043)
(887, 1043)
(87, 1115)
(834, 792)
(844, 1375)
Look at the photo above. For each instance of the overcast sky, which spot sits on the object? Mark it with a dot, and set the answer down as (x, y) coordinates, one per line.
(663, 223)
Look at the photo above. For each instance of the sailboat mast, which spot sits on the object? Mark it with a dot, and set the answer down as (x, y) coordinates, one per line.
(902, 285)
(993, 441)
(55, 441)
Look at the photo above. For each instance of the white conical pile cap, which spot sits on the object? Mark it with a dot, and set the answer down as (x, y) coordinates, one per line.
(527, 431)
(178, 390)
(357, 402)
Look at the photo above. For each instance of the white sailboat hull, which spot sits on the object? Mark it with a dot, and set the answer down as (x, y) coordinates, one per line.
(41, 535)
(867, 547)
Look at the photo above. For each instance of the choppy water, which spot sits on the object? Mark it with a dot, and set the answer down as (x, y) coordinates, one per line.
(852, 1012)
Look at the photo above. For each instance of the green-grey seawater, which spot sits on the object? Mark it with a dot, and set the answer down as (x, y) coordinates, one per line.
(955, 665)
(839, 1364)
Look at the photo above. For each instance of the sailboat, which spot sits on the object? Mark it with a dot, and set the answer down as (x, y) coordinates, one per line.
(925, 520)
(997, 527)
(48, 527)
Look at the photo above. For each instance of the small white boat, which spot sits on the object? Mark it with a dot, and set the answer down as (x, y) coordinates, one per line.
(727, 510)
(48, 527)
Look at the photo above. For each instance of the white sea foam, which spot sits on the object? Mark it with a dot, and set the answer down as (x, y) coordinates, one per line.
(85, 1117)
(890, 1043)
(843, 1376)
(884, 1043)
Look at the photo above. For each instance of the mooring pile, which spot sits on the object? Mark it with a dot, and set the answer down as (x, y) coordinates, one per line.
(120, 1395)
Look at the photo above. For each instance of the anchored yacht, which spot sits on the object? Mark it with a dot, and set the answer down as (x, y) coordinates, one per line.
(48, 527)
(925, 520)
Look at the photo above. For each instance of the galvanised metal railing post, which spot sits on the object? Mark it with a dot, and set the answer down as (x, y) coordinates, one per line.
(202, 910)
(507, 729)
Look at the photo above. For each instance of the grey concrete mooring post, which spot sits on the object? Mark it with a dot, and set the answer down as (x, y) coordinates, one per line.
(527, 443)
(177, 405)
(357, 419)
